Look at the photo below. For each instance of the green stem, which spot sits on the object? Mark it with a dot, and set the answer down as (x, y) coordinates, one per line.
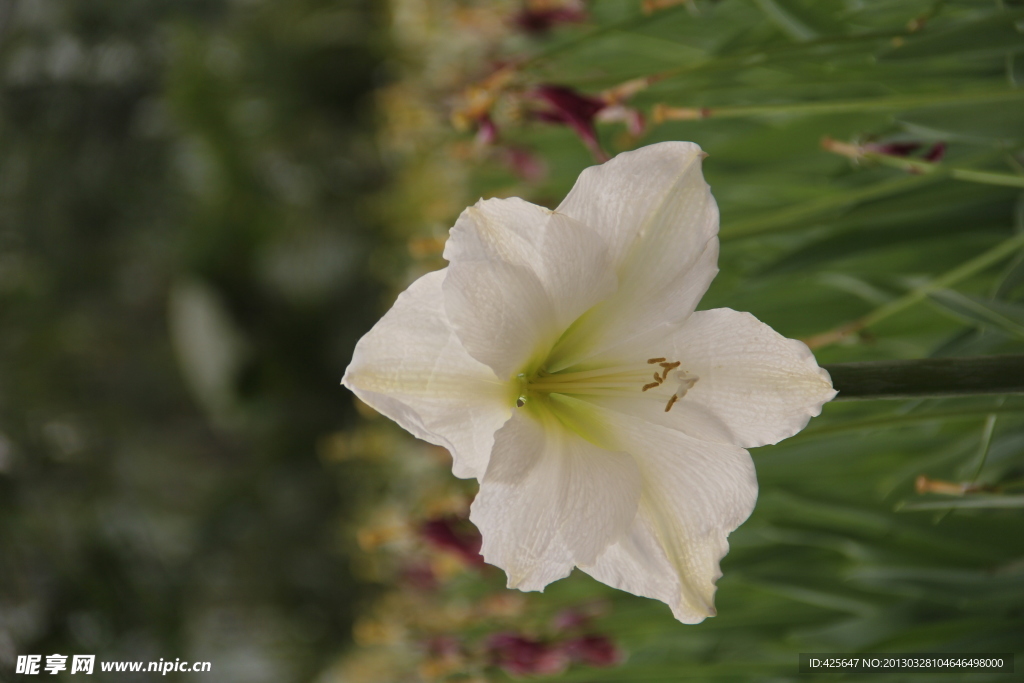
(975, 501)
(928, 378)
(986, 443)
(894, 103)
(987, 177)
(961, 272)
(920, 167)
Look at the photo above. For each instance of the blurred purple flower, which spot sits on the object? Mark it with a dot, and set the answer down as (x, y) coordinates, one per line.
(443, 646)
(578, 616)
(486, 130)
(419, 576)
(580, 112)
(524, 163)
(592, 650)
(456, 535)
(573, 109)
(633, 118)
(570, 620)
(538, 20)
(522, 656)
(895, 149)
(905, 149)
(935, 154)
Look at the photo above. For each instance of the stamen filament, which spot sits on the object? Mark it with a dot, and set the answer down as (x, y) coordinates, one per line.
(600, 372)
(564, 386)
(615, 393)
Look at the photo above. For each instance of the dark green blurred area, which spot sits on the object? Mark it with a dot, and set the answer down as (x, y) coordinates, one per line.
(182, 195)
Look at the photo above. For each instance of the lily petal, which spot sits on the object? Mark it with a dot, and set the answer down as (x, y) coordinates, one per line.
(657, 216)
(761, 385)
(501, 313)
(519, 275)
(694, 494)
(412, 368)
(551, 500)
(693, 419)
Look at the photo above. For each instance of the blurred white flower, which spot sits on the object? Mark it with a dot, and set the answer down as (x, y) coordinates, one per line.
(559, 358)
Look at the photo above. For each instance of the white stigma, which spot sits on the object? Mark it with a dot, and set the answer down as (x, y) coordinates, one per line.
(686, 381)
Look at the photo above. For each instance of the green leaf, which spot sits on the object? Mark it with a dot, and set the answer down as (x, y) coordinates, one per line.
(1001, 315)
(927, 215)
(973, 502)
(798, 21)
(844, 601)
(1013, 277)
(993, 34)
(1015, 68)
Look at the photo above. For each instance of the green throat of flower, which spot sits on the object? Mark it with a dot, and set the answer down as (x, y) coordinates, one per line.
(661, 376)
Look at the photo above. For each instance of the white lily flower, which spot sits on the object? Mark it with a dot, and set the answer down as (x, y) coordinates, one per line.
(559, 359)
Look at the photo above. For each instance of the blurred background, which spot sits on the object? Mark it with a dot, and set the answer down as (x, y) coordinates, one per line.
(204, 204)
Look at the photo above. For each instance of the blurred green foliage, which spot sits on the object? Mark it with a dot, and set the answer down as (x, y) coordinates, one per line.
(183, 227)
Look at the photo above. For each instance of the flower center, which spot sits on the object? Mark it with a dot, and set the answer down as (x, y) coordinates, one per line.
(657, 374)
